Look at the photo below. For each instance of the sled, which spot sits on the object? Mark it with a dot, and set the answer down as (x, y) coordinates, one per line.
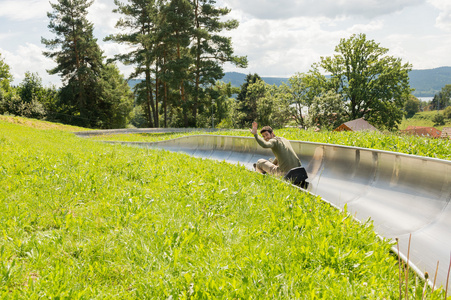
(297, 176)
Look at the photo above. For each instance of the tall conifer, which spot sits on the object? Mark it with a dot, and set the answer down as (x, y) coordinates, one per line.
(209, 48)
(138, 25)
(78, 58)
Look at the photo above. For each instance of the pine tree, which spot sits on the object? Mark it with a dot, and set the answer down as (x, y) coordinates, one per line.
(116, 97)
(78, 58)
(139, 20)
(177, 46)
(248, 105)
(210, 49)
(175, 33)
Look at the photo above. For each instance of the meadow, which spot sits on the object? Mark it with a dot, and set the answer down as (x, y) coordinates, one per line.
(86, 220)
(424, 119)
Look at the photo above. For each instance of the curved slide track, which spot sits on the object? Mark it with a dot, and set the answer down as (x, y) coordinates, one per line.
(406, 196)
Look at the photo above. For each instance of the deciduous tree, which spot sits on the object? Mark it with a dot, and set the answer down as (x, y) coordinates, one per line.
(5, 81)
(31, 87)
(10, 98)
(5, 75)
(447, 112)
(301, 90)
(438, 119)
(373, 84)
(442, 99)
(327, 111)
(272, 105)
(116, 97)
(412, 106)
(247, 105)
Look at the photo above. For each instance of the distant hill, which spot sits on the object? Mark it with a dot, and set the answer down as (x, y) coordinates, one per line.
(425, 82)
(429, 82)
(133, 82)
(237, 79)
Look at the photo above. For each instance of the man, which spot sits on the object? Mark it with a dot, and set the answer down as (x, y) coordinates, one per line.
(286, 159)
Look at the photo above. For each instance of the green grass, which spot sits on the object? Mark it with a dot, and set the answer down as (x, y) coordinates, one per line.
(156, 137)
(38, 124)
(424, 119)
(85, 220)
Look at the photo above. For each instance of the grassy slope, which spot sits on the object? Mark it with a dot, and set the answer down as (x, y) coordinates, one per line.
(424, 119)
(81, 219)
(44, 125)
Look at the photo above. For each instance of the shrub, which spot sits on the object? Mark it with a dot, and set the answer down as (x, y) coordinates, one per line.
(438, 120)
(447, 112)
(13, 104)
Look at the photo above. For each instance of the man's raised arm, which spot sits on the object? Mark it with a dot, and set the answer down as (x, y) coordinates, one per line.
(254, 128)
(260, 141)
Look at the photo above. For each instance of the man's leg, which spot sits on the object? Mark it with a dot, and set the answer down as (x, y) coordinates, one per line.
(265, 166)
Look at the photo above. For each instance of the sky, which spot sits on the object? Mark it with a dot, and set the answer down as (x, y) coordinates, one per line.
(279, 37)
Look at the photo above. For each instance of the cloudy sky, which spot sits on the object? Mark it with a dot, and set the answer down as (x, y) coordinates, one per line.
(279, 37)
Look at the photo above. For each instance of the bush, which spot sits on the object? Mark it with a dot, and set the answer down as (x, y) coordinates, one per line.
(13, 104)
(438, 120)
(327, 111)
(138, 118)
(412, 106)
(447, 112)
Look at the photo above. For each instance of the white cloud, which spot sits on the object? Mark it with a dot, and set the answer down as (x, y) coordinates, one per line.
(102, 16)
(284, 47)
(443, 20)
(366, 27)
(21, 10)
(4, 36)
(282, 9)
(29, 58)
(280, 38)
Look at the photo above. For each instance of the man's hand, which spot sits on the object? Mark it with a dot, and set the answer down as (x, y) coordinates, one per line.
(254, 128)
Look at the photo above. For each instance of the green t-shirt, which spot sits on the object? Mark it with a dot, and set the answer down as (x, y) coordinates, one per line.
(284, 153)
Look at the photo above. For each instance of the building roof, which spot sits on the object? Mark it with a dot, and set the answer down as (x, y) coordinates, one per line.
(423, 131)
(356, 125)
(446, 132)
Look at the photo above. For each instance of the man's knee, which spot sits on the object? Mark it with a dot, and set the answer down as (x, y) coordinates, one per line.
(267, 166)
(261, 162)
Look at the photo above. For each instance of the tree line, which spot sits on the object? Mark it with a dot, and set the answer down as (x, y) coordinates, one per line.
(363, 82)
(177, 51)
(176, 47)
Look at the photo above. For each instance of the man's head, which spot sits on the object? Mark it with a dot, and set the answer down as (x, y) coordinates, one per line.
(267, 133)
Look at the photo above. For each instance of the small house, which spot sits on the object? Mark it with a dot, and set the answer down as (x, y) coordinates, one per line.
(446, 132)
(422, 131)
(356, 125)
